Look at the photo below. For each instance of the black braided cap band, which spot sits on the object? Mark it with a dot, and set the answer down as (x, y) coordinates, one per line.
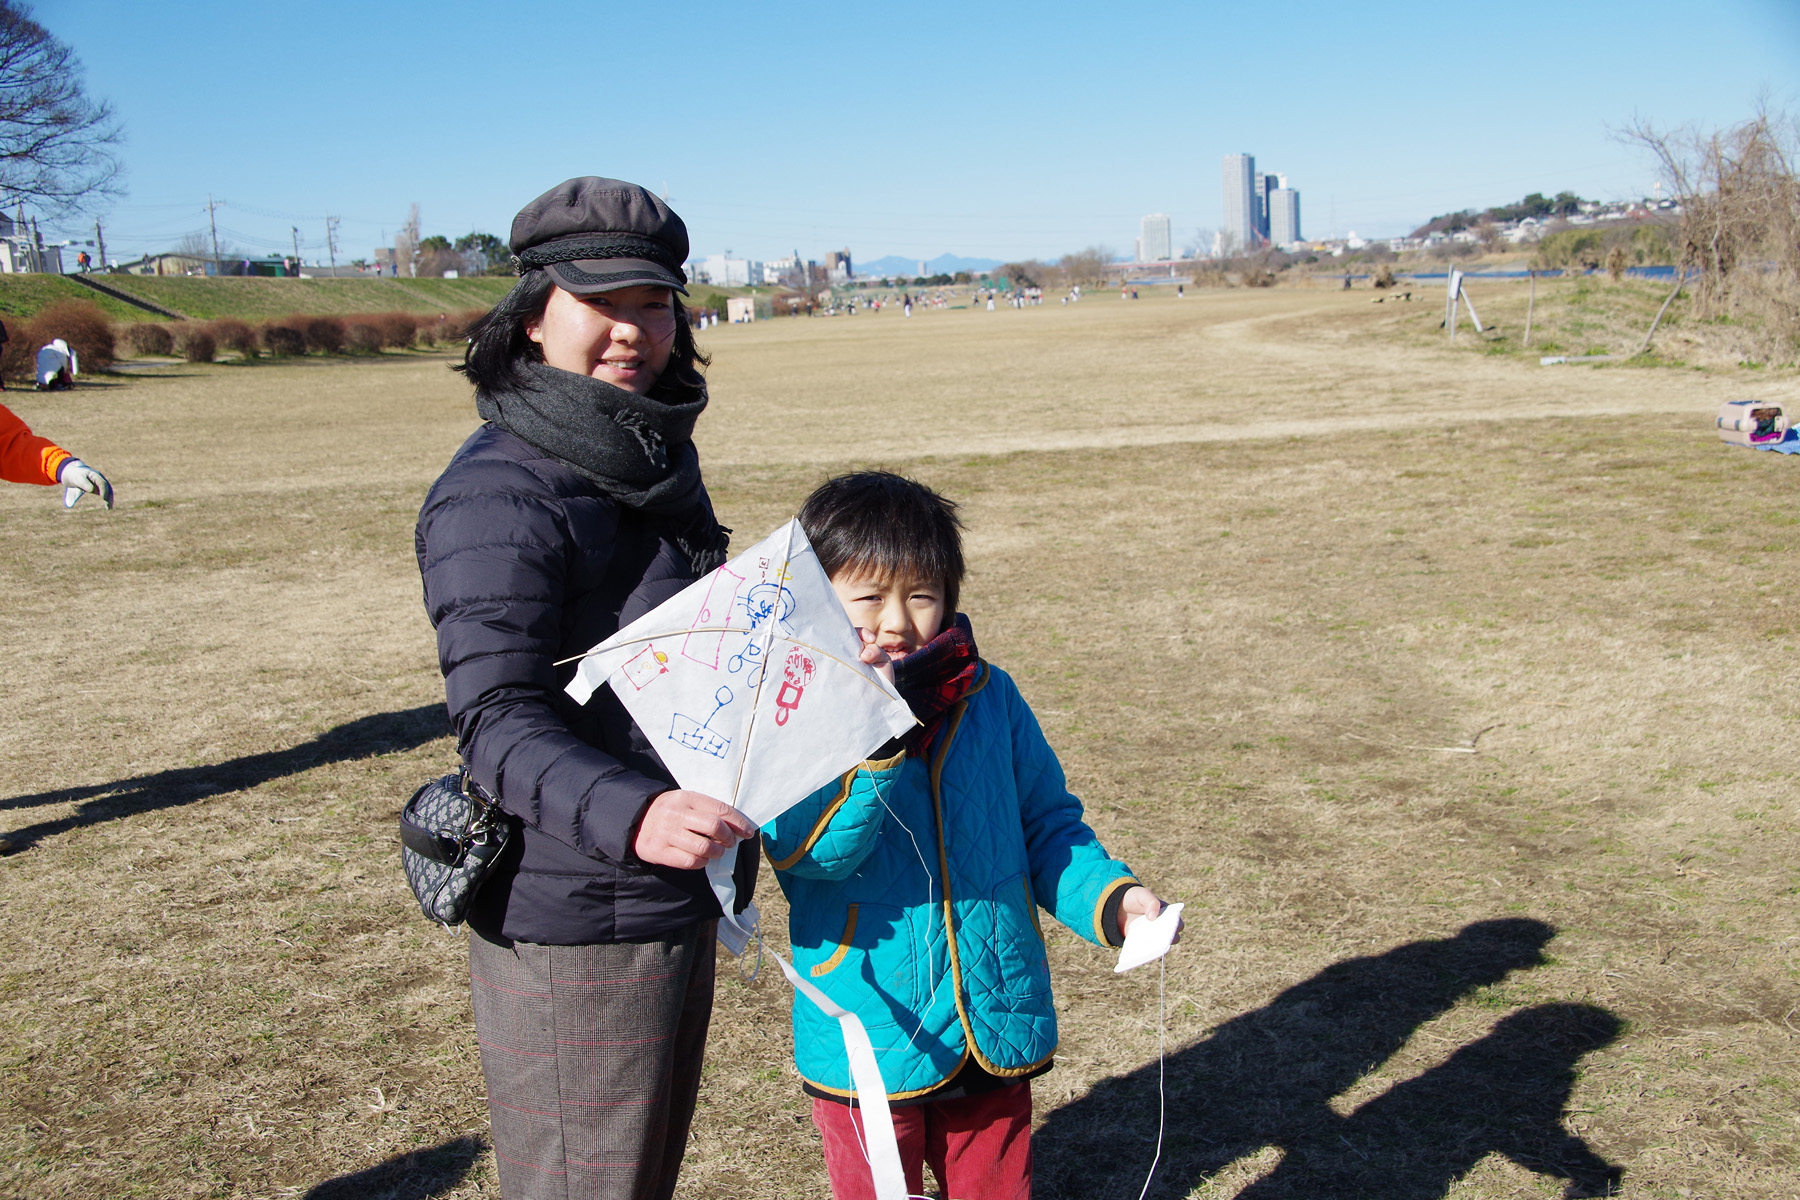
(600, 245)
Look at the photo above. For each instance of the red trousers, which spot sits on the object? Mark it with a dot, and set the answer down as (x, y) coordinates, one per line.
(979, 1147)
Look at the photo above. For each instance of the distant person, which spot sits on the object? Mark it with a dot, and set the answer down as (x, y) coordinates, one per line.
(57, 367)
(27, 458)
(1180, 291)
(990, 301)
(3, 340)
(82, 260)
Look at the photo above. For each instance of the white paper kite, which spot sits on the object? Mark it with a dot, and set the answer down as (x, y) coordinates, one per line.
(749, 684)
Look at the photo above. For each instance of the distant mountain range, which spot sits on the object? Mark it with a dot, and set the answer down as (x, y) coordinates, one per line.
(943, 264)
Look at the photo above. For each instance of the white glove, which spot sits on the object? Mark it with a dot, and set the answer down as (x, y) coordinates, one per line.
(79, 479)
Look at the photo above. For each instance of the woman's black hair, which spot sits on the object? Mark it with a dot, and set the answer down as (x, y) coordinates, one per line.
(886, 524)
(498, 342)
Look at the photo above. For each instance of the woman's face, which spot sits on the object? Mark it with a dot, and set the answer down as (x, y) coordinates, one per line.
(622, 337)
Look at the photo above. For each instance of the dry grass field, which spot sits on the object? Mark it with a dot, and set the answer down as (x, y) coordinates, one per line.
(1456, 696)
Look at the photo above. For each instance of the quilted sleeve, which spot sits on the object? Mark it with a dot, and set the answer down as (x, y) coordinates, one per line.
(1072, 875)
(830, 833)
(493, 549)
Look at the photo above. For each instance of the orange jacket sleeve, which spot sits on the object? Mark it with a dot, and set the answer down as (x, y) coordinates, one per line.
(25, 457)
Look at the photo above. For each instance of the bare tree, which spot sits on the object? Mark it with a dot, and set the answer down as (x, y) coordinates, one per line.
(484, 253)
(1086, 266)
(1740, 221)
(436, 256)
(406, 243)
(56, 145)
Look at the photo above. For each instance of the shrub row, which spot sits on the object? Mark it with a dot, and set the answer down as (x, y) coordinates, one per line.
(97, 341)
(286, 337)
(78, 322)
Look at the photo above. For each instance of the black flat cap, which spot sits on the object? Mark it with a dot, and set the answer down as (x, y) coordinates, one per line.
(594, 235)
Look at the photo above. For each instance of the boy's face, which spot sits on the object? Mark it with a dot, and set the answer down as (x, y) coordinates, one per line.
(902, 612)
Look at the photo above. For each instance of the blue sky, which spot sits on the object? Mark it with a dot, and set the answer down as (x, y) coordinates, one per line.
(1003, 130)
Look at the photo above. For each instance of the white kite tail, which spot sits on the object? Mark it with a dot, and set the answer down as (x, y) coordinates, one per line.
(871, 1090)
(735, 929)
(735, 933)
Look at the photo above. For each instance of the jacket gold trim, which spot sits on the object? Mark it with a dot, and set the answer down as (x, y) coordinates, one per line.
(819, 826)
(837, 956)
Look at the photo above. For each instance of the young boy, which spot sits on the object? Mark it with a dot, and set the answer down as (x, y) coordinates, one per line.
(913, 881)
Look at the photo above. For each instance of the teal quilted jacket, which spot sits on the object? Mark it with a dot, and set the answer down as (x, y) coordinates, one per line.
(914, 893)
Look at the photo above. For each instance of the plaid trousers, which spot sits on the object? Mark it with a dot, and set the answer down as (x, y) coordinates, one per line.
(592, 1058)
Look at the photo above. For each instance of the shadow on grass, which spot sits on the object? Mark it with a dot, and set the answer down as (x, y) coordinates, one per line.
(380, 733)
(1266, 1079)
(416, 1175)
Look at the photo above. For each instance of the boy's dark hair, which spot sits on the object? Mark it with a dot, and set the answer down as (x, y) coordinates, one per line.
(498, 341)
(887, 524)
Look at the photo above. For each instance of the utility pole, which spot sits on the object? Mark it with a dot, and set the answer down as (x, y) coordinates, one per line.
(296, 230)
(100, 238)
(37, 247)
(213, 224)
(331, 224)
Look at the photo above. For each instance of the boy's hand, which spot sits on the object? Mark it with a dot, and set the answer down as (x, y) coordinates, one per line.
(686, 830)
(1140, 901)
(875, 656)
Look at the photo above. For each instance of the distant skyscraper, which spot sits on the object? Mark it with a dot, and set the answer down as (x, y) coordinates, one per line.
(1284, 215)
(1153, 238)
(1240, 200)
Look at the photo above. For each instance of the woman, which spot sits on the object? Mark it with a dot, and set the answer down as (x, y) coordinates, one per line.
(575, 509)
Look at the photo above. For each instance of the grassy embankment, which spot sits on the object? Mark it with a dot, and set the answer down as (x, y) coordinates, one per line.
(258, 298)
(1453, 695)
(24, 295)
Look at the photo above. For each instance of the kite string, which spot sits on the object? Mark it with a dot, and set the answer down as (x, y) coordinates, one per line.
(1162, 1100)
(862, 1144)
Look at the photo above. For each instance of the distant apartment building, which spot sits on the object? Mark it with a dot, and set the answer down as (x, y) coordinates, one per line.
(726, 271)
(1284, 215)
(1240, 201)
(838, 263)
(1154, 241)
(781, 270)
(22, 248)
(1260, 208)
(1261, 185)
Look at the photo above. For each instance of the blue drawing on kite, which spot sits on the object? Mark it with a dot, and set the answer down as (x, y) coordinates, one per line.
(715, 610)
(750, 656)
(696, 735)
(766, 600)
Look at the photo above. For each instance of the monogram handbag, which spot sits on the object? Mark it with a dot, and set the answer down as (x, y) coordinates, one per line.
(451, 835)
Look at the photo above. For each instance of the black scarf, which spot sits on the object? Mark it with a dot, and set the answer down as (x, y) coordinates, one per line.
(638, 449)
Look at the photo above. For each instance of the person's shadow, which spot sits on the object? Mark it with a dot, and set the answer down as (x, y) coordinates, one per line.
(380, 733)
(1266, 1079)
(415, 1175)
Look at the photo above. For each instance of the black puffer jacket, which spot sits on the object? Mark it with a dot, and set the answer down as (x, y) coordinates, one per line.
(526, 563)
